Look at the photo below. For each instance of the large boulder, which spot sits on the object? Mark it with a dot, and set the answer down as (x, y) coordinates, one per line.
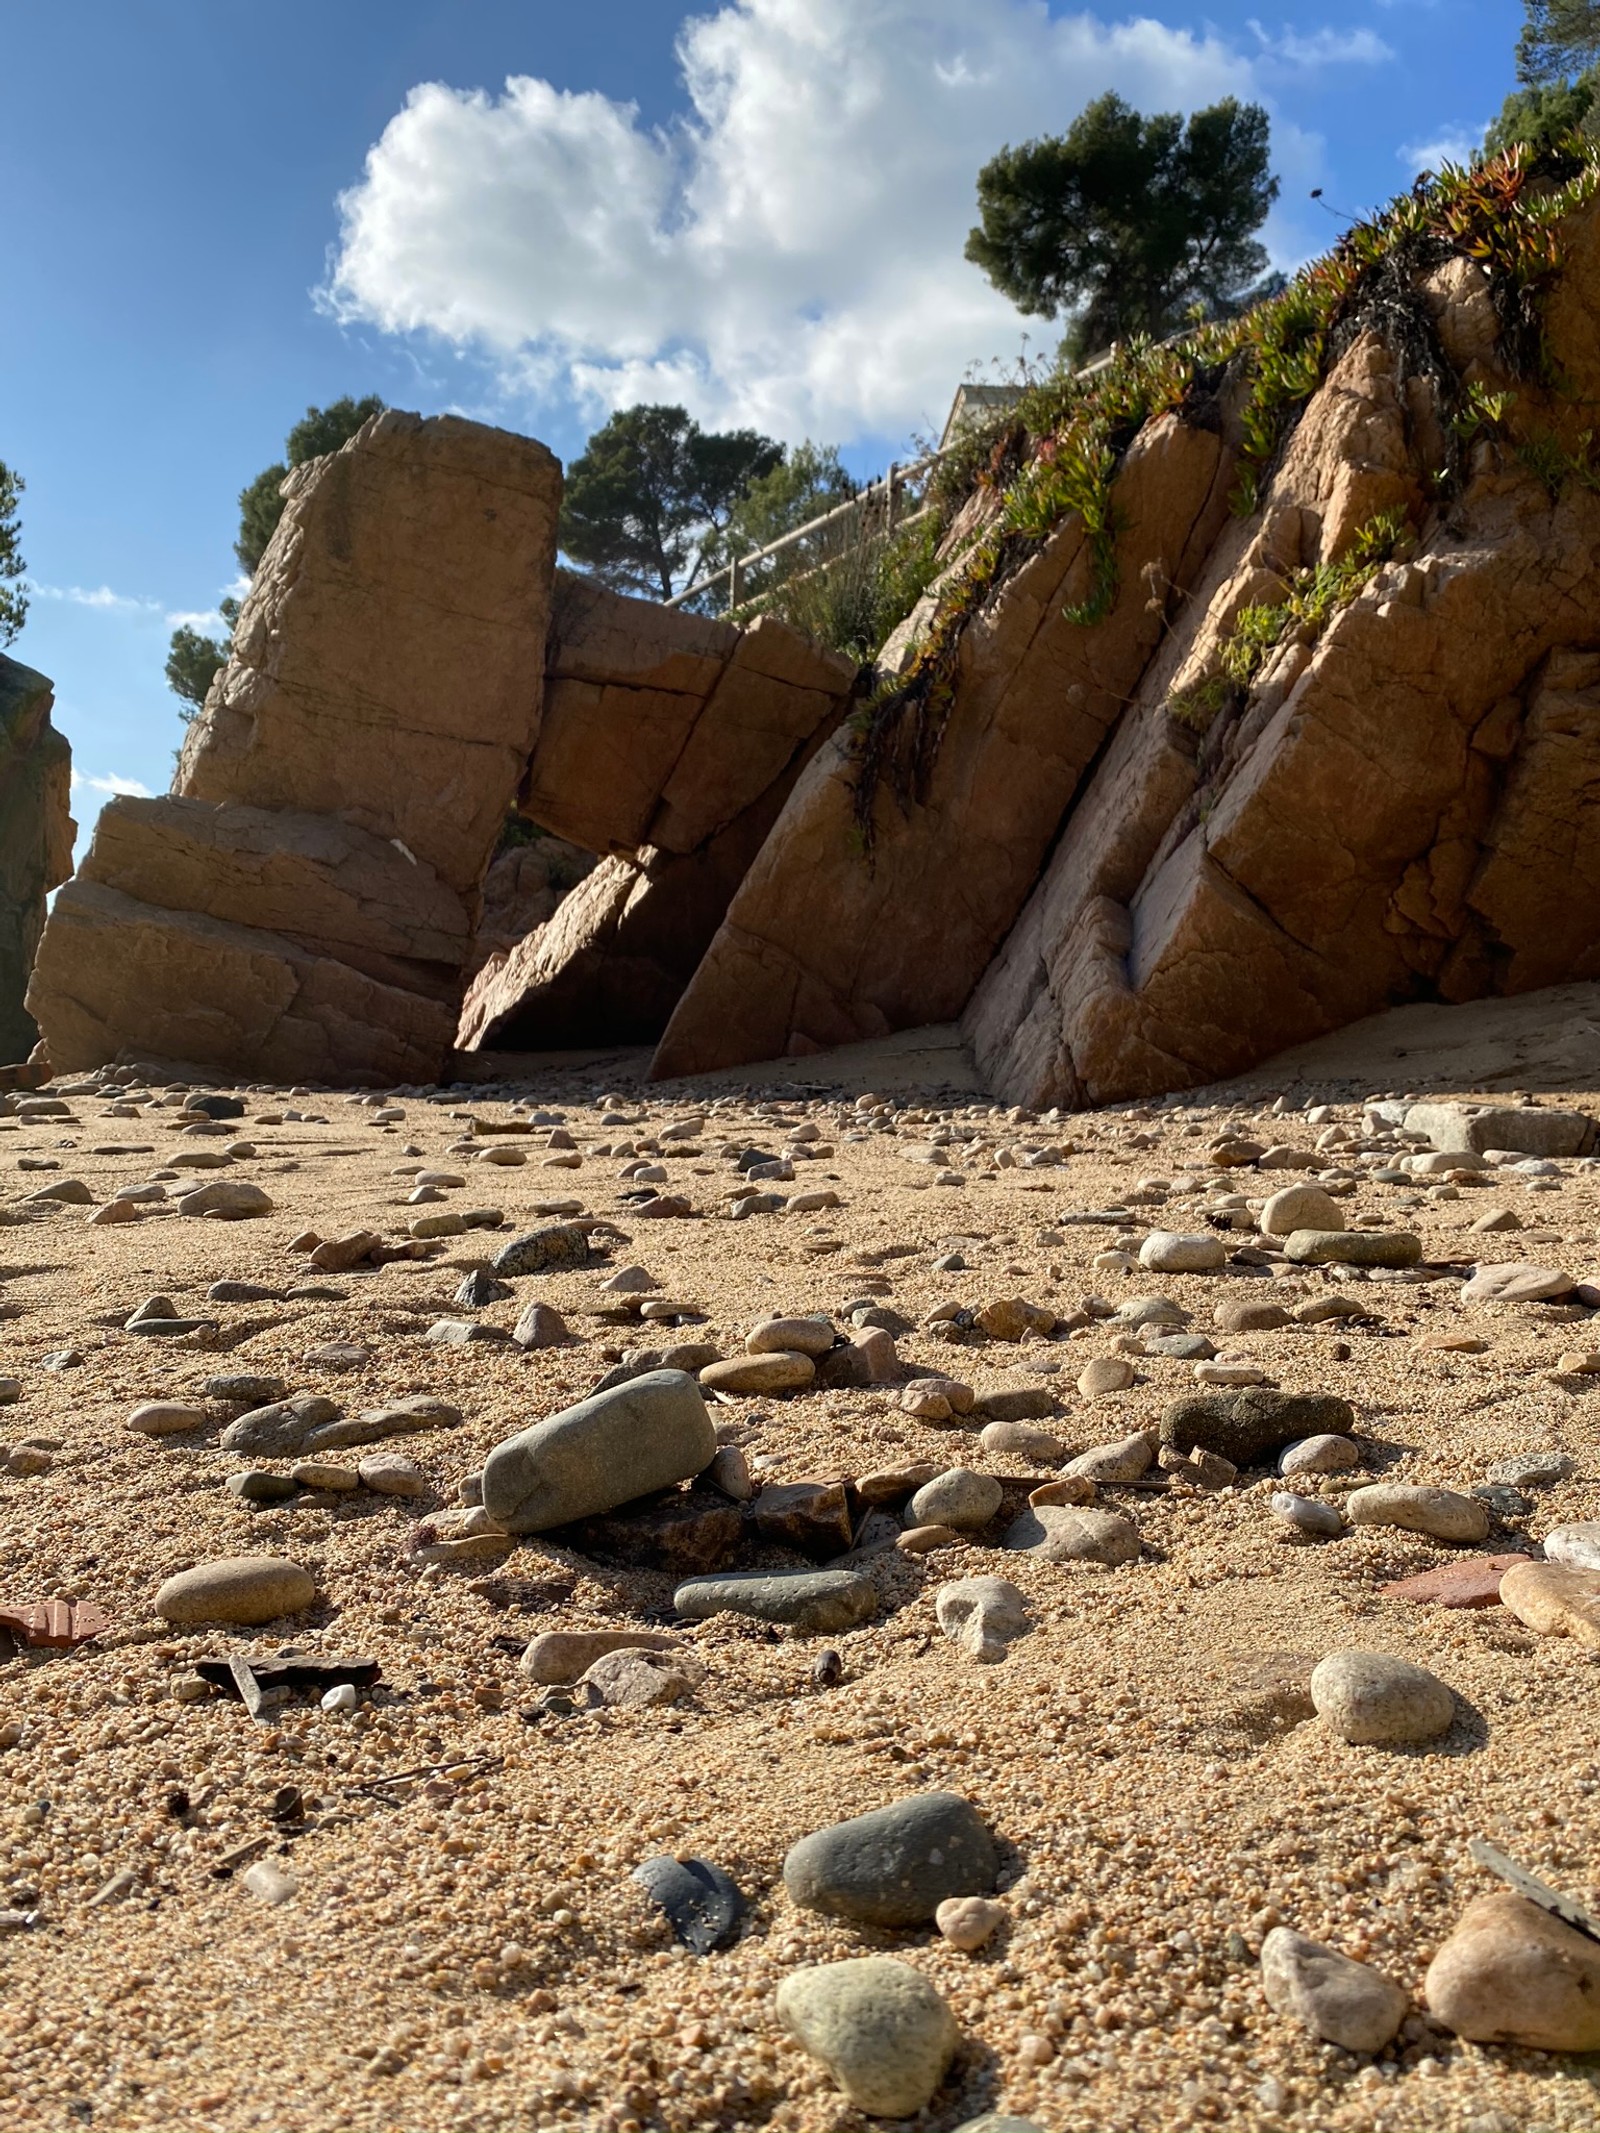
(36, 833)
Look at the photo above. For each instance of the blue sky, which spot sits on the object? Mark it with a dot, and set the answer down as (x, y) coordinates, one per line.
(218, 214)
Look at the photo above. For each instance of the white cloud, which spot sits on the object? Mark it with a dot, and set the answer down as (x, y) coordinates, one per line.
(111, 784)
(1324, 48)
(99, 596)
(1456, 144)
(788, 253)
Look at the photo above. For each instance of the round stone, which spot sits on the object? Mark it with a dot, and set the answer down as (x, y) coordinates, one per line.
(1325, 1454)
(959, 1498)
(1061, 1533)
(1124, 1461)
(1168, 1251)
(1020, 1440)
(966, 1922)
(792, 1336)
(1371, 1699)
(387, 1475)
(896, 1865)
(781, 1370)
(1512, 1974)
(1299, 1207)
(165, 1418)
(882, 2029)
(247, 1589)
(1105, 1374)
(1577, 1544)
(1307, 1515)
(1345, 2002)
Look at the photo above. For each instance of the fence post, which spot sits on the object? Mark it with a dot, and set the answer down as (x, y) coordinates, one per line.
(894, 469)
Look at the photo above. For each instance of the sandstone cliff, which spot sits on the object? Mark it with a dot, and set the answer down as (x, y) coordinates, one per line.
(36, 833)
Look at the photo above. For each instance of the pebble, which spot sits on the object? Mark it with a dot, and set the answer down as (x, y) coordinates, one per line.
(926, 1540)
(280, 1429)
(1324, 1454)
(1167, 1251)
(1060, 1533)
(959, 1498)
(1555, 1599)
(1300, 1207)
(1371, 1699)
(811, 1601)
(1123, 1461)
(559, 1656)
(1240, 1315)
(702, 1904)
(896, 1865)
(1020, 1440)
(387, 1475)
(882, 2029)
(1533, 1470)
(638, 1679)
(790, 1336)
(1342, 2001)
(1353, 1247)
(1443, 1514)
(602, 1452)
(400, 1418)
(1105, 1374)
(227, 1199)
(260, 1485)
(11, 1392)
(1577, 1544)
(540, 1326)
(1014, 1403)
(967, 1922)
(1306, 1514)
(462, 1333)
(761, 1375)
(560, 1245)
(272, 1883)
(246, 1589)
(317, 1474)
(983, 1615)
(342, 1697)
(1510, 1973)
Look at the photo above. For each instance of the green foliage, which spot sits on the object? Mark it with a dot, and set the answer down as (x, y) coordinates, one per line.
(805, 483)
(1557, 465)
(1198, 707)
(1128, 223)
(319, 431)
(1559, 37)
(1482, 413)
(1542, 117)
(193, 660)
(854, 598)
(13, 601)
(651, 495)
(1314, 597)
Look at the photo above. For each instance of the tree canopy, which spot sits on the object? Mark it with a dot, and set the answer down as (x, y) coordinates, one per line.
(1540, 117)
(650, 496)
(1559, 38)
(320, 430)
(193, 659)
(13, 601)
(1126, 223)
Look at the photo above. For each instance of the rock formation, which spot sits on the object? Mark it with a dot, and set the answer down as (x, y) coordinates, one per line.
(304, 904)
(1400, 800)
(36, 833)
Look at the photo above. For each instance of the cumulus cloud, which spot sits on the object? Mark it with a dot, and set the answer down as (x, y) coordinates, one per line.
(98, 596)
(1324, 48)
(787, 252)
(111, 784)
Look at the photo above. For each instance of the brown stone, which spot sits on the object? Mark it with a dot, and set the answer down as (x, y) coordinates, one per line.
(685, 1531)
(36, 833)
(1555, 1599)
(813, 1516)
(1470, 1581)
(1512, 1974)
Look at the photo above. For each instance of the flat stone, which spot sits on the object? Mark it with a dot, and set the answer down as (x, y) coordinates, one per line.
(409, 1417)
(761, 1375)
(1251, 1426)
(1169, 1251)
(261, 1485)
(1243, 1315)
(1371, 1699)
(1062, 1533)
(1013, 1318)
(1512, 1974)
(463, 1333)
(639, 1679)
(983, 1615)
(1577, 1545)
(1555, 1599)
(792, 1336)
(386, 1475)
(563, 1655)
(702, 1904)
(1353, 1247)
(1516, 1282)
(338, 1355)
(230, 1199)
(246, 1589)
(1528, 1129)
(1307, 1514)
(1443, 1514)
(959, 1498)
(1140, 1312)
(280, 1429)
(812, 1601)
(896, 1865)
(319, 1474)
(244, 1388)
(1180, 1347)
(1533, 1470)
(1014, 1403)
(241, 1292)
(602, 1452)
(882, 2030)
(1469, 1581)
(1020, 1440)
(1342, 2001)
(1124, 1461)
(66, 1192)
(165, 1418)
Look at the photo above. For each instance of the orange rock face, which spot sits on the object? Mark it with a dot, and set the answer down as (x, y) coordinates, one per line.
(36, 832)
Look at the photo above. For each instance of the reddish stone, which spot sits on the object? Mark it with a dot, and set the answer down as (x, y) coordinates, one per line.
(1470, 1581)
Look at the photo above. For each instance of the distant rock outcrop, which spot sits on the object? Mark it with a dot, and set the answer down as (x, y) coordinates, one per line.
(36, 833)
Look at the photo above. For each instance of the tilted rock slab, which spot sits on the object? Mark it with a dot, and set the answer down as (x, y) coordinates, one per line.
(36, 833)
